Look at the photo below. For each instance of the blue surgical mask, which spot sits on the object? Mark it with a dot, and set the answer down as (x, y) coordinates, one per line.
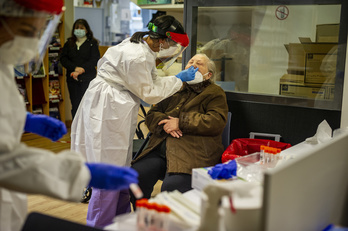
(80, 33)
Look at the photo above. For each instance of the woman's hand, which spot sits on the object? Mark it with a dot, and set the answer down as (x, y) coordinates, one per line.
(176, 134)
(79, 70)
(171, 126)
(75, 75)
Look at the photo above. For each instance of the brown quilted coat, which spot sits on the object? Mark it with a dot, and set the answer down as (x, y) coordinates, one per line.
(202, 112)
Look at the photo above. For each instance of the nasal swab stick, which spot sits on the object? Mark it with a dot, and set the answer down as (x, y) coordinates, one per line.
(136, 190)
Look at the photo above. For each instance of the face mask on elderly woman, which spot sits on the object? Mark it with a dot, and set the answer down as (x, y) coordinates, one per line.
(198, 78)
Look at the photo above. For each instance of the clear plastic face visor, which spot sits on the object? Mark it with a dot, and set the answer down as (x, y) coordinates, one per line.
(169, 56)
(45, 38)
(49, 12)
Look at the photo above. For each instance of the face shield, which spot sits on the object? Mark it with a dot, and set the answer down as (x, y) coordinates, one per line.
(44, 41)
(172, 48)
(46, 11)
(176, 44)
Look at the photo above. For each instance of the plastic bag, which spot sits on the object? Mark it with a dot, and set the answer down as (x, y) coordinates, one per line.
(245, 146)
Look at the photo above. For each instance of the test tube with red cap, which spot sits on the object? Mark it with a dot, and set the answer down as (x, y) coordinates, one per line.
(164, 213)
(141, 212)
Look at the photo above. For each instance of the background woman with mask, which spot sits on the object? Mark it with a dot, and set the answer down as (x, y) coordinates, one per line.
(105, 123)
(186, 132)
(79, 56)
(33, 170)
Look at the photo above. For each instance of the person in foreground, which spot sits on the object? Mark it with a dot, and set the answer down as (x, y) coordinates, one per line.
(105, 123)
(186, 132)
(31, 170)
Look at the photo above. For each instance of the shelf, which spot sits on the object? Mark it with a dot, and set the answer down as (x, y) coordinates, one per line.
(39, 76)
(54, 49)
(164, 7)
(55, 100)
(22, 77)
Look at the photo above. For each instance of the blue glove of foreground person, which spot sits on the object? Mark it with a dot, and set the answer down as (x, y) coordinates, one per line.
(188, 74)
(45, 126)
(224, 171)
(111, 177)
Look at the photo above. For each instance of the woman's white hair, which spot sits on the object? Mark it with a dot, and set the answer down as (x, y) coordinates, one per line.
(211, 66)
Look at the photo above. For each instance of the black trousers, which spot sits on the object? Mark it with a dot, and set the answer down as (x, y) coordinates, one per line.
(152, 168)
(76, 91)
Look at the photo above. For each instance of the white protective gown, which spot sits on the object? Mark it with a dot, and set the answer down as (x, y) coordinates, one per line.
(104, 125)
(30, 170)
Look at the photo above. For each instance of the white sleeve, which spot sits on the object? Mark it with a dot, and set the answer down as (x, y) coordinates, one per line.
(144, 82)
(32, 170)
(133, 67)
(38, 171)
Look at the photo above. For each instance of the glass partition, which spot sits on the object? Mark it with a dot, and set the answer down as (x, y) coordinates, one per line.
(295, 51)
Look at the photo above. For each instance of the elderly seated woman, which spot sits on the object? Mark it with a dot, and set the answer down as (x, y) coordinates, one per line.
(186, 132)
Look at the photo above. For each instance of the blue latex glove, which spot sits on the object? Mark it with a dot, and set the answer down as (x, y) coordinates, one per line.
(188, 74)
(111, 177)
(224, 171)
(45, 126)
(332, 227)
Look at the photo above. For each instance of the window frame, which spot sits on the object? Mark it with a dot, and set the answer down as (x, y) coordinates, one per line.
(191, 12)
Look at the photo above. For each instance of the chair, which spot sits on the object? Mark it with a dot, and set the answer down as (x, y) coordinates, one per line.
(258, 135)
(41, 222)
(226, 134)
(138, 143)
(143, 145)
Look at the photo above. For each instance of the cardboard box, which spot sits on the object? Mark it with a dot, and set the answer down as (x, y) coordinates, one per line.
(316, 61)
(302, 91)
(291, 79)
(292, 85)
(297, 58)
(327, 33)
(321, 68)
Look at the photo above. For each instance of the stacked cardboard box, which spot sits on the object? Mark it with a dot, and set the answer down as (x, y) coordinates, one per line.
(294, 85)
(316, 61)
(327, 33)
(312, 65)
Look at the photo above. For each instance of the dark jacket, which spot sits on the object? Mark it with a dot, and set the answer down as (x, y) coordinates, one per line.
(86, 57)
(202, 111)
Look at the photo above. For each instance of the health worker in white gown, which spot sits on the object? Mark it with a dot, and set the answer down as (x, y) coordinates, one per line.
(25, 169)
(104, 125)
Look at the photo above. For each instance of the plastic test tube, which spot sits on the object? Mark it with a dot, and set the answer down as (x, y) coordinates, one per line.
(141, 212)
(158, 220)
(266, 155)
(278, 154)
(165, 210)
(136, 190)
(151, 217)
(272, 152)
(262, 153)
